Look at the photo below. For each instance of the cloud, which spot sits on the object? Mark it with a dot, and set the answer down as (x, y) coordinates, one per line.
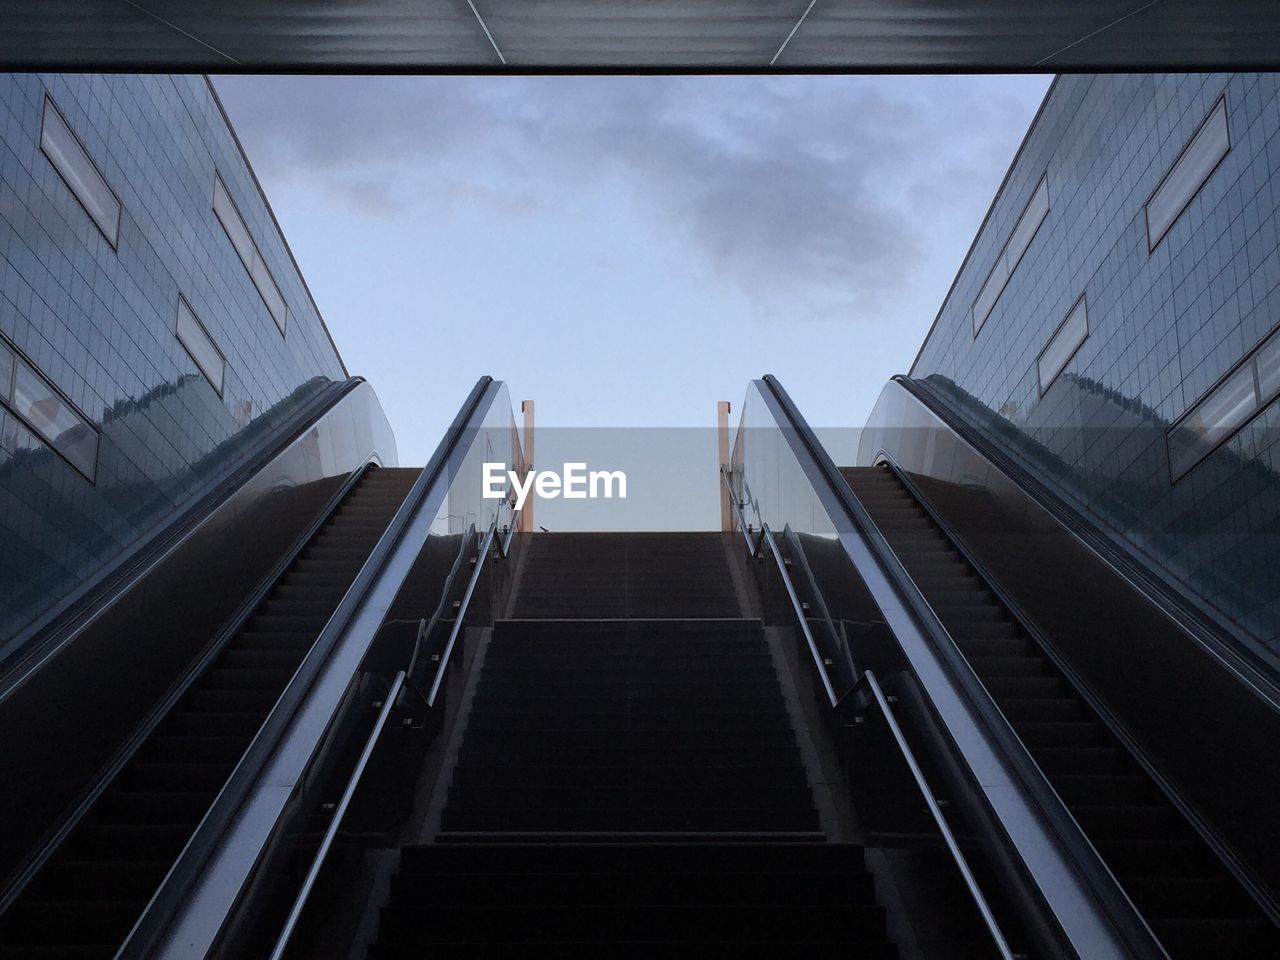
(812, 196)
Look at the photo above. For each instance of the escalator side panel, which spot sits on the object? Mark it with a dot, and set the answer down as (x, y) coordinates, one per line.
(1211, 728)
(1187, 897)
(92, 889)
(86, 699)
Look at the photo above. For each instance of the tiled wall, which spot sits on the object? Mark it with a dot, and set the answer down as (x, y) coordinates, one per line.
(99, 323)
(1164, 325)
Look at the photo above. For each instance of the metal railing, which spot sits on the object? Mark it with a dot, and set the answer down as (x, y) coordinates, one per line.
(485, 547)
(935, 809)
(402, 683)
(1086, 902)
(203, 886)
(326, 844)
(765, 538)
(427, 627)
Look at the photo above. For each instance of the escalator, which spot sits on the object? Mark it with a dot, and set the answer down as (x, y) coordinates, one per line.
(1194, 905)
(827, 729)
(90, 891)
(1113, 839)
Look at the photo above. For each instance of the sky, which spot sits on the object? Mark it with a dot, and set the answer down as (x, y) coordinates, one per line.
(628, 250)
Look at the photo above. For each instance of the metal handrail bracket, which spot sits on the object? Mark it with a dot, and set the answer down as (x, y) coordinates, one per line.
(427, 628)
(765, 537)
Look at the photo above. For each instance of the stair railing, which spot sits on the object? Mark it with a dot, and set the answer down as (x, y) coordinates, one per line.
(802, 613)
(206, 886)
(754, 545)
(496, 541)
(486, 547)
(398, 685)
(935, 810)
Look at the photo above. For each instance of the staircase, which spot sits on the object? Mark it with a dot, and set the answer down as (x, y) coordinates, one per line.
(1193, 905)
(585, 576)
(629, 780)
(642, 900)
(637, 725)
(87, 897)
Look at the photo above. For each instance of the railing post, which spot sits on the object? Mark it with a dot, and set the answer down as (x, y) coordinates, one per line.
(722, 427)
(526, 512)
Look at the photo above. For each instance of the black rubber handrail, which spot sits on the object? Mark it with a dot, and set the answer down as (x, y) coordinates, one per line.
(176, 887)
(1109, 898)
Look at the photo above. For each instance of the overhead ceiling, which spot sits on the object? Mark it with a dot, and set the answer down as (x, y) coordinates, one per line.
(638, 35)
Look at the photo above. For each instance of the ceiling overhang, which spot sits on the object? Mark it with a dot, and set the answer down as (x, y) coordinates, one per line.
(627, 36)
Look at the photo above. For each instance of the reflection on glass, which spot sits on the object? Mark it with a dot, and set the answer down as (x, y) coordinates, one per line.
(73, 164)
(238, 232)
(204, 352)
(1188, 174)
(1037, 209)
(1218, 415)
(231, 222)
(1268, 363)
(1024, 232)
(53, 418)
(261, 277)
(1063, 345)
(6, 372)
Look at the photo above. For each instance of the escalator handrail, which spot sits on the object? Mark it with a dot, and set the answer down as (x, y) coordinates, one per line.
(340, 811)
(1173, 601)
(401, 683)
(156, 715)
(935, 810)
(163, 907)
(1107, 896)
(908, 755)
